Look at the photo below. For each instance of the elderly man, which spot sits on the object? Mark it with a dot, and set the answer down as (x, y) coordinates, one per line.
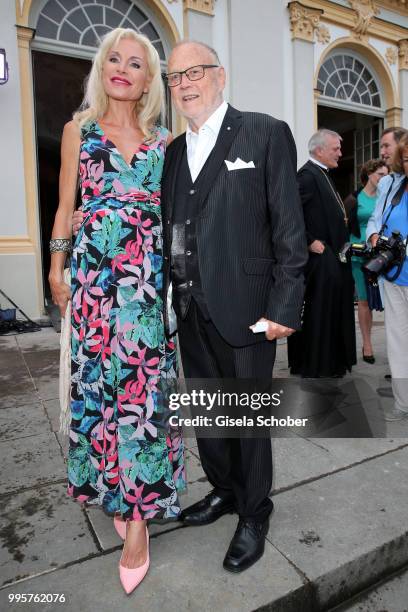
(325, 347)
(235, 251)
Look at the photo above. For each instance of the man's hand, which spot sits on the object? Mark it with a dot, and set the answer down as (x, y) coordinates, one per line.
(316, 247)
(374, 239)
(77, 219)
(276, 331)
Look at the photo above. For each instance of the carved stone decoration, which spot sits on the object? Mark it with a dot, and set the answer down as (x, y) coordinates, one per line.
(391, 55)
(399, 5)
(366, 10)
(323, 35)
(403, 54)
(201, 6)
(303, 21)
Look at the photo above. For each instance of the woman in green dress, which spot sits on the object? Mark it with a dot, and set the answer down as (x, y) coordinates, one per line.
(359, 206)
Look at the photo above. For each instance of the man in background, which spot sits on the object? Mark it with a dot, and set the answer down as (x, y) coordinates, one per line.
(325, 346)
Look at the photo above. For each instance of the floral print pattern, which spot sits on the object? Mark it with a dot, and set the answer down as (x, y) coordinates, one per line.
(122, 455)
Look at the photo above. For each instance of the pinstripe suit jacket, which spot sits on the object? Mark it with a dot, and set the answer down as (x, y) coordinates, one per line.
(250, 231)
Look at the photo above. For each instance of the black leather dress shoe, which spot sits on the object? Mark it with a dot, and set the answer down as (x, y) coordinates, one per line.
(247, 546)
(208, 510)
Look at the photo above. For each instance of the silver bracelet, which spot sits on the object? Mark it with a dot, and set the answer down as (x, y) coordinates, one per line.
(58, 245)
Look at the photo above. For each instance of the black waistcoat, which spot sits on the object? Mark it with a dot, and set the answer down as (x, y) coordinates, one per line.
(185, 271)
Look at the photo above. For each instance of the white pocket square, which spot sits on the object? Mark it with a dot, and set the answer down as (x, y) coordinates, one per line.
(238, 164)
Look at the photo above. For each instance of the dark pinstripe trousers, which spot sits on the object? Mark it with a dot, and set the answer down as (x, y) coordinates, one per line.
(238, 466)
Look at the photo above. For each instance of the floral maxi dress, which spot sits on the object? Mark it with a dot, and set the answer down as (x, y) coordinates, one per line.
(122, 454)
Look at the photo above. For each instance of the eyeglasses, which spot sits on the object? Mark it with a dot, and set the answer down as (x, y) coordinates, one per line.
(195, 73)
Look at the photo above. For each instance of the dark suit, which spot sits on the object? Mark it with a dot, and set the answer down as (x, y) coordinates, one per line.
(251, 252)
(326, 344)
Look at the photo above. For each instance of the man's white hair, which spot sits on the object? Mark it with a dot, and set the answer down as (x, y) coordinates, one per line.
(319, 139)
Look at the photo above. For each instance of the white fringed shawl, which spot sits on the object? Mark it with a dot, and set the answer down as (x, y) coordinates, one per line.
(65, 364)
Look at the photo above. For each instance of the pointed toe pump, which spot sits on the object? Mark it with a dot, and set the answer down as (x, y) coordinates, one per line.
(120, 527)
(131, 578)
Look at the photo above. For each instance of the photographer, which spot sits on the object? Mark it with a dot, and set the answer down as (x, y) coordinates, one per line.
(395, 218)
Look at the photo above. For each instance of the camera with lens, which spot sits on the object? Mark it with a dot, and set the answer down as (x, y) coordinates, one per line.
(387, 253)
(353, 248)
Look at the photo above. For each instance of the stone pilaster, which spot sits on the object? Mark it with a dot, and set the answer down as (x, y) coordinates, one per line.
(303, 21)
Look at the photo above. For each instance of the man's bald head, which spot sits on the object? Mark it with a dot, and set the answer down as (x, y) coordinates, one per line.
(213, 55)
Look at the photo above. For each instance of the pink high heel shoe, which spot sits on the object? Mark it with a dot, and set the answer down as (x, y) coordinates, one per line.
(131, 578)
(120, 527)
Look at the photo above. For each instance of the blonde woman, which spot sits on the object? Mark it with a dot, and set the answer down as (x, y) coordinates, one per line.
(121, 456)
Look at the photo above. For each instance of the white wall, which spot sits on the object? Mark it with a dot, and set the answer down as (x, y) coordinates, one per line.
(304, 103)
(18, 272)
(13, 214)
(257, 77)
(221, 39)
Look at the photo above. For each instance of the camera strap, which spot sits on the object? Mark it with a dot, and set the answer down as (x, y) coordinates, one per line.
(388, 193)
(395, 201)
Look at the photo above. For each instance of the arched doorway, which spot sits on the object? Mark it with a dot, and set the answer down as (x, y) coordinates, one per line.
(351, 102)
(66, 35)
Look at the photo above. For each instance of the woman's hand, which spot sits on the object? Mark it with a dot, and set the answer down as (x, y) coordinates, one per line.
(70, 144)
(61, 294)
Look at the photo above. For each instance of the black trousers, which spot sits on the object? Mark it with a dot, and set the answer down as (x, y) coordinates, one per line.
(241, 466)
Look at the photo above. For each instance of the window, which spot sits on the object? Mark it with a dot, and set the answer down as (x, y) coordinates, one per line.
(345, 78)
(80, 22)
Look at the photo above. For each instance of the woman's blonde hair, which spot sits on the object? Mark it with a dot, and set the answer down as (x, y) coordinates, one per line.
(95, 103)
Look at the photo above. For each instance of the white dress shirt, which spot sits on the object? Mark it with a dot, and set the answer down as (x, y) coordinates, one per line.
(201, 143)
(317, 162)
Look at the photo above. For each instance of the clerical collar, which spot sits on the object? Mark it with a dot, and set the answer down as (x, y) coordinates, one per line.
(315, 161)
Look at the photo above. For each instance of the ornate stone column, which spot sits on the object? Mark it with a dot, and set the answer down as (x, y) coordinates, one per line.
(403, 75)
(30, 244)
(304, 21)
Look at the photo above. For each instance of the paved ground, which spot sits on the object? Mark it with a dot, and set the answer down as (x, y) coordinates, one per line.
(389, 596)
(340, 522)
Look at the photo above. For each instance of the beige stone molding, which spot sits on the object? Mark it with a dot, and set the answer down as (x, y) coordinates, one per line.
(365, 11)
(393, 116)
(345, 17)
(391, 55)
(401, 6)
(304, 20)
(24, 37)
(16, 244)
(403, 54)
(323, 35)
(377, 61)
(201, 6)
